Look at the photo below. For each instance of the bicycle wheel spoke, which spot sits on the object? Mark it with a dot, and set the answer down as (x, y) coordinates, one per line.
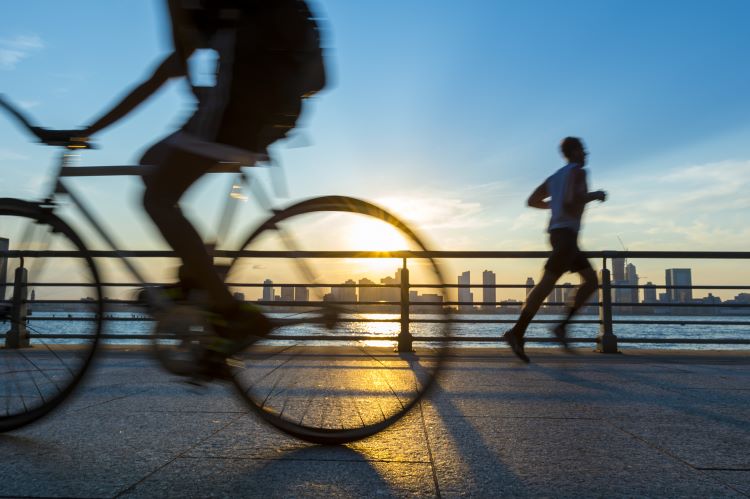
(44, 374)
(291, 245)
(51, 337)
(332, 387)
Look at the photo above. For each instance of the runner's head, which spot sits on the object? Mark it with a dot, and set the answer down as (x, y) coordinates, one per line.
(573, 150)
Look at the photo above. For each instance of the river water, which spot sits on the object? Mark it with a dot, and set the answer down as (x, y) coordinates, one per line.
(130, 324)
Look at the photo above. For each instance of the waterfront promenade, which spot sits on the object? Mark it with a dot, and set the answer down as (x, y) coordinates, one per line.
(641, 423)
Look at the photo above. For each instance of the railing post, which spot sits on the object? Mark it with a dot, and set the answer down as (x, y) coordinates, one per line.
(606, 342)
(17, 336)
(404, 336)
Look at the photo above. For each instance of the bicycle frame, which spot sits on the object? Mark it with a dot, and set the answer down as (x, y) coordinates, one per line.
(66, 170)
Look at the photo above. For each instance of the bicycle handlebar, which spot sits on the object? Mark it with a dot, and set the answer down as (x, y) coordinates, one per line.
(49, 137)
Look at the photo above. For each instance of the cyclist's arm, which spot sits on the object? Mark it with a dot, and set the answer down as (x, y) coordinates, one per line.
(170, 67)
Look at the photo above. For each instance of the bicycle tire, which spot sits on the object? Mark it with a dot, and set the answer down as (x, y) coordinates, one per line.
(355, 400)
(37, 377)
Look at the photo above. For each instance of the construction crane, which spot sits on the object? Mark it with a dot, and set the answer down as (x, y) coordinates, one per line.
(623, 247)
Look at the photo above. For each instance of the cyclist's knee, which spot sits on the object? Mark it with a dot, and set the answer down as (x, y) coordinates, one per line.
(155, 202)
(154, 155)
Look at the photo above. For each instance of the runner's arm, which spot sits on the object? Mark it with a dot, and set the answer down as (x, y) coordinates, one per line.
(596, 196)
(170, 67)
(577, 194)
(538, 198)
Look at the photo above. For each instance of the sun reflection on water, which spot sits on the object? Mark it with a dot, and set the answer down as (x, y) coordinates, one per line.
(385, 329)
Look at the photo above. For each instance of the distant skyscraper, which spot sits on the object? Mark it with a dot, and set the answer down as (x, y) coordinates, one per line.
(529, 285)
(348, 293)
(679, 277)
(301, 293)
(287, 293)
(390, 293)
(4, 245)
(649, 292)
(489, 292)
(366, 291)
(618, 269)
(268, 290)
(631, 276)
(465, 294)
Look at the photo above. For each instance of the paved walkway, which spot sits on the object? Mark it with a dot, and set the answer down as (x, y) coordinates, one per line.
(637, 424)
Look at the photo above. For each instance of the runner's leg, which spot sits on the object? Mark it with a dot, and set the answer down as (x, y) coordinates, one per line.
(589, 284)
(534, 301)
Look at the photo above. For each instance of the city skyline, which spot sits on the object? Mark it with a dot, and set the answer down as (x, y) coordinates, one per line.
(351, 291)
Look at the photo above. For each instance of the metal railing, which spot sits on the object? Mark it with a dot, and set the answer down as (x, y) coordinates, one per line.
(606, 340)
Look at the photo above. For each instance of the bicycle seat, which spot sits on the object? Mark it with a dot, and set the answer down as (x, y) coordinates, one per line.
(63, 138)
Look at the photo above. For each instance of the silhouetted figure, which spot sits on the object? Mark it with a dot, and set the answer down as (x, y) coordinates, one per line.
(565, 193)
(270, 60)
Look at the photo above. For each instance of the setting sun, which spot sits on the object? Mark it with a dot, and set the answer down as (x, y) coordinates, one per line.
(373, 235)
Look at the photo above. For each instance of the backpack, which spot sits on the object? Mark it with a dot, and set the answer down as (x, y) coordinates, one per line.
(269, 33)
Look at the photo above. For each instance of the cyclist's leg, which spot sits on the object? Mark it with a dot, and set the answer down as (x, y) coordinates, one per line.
(175, 171)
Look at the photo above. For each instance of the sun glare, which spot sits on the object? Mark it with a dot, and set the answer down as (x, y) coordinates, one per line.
(372, 235)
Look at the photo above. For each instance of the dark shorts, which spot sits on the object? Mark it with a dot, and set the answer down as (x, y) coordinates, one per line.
(566, 256)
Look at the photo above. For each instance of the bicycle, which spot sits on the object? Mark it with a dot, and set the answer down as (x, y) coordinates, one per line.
(297, 383)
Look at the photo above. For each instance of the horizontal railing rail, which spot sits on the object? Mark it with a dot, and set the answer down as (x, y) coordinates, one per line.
(408, 312)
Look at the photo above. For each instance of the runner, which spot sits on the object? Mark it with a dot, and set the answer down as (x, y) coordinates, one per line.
(565, 193)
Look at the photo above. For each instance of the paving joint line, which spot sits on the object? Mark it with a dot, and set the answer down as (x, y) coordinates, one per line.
(709, 468)
(429, 451)
(179, 455)
(674, 457)
(140, 392)
(306, 460)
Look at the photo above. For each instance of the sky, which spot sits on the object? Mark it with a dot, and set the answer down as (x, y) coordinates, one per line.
(448, 113)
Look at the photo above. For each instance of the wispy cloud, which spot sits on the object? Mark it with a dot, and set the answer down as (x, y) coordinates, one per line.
(8, 155)
(15, 49)
(696, 206)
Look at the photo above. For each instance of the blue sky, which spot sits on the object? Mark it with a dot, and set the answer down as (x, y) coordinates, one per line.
(447, 112)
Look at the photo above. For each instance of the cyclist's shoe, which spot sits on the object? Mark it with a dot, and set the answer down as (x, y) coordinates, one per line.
(561, 334)
(239, 328)
(516, 345)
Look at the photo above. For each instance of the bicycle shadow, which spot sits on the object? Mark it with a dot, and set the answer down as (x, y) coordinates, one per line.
(18, 445)
(316, 470)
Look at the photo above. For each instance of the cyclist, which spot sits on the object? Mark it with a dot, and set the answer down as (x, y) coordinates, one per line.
(270, 60)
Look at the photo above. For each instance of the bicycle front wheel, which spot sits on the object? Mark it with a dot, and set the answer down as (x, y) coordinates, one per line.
(50, 311)
(331, 371)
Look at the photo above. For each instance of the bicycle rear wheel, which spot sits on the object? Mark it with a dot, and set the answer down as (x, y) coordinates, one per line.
(330, 372)
(50, 311)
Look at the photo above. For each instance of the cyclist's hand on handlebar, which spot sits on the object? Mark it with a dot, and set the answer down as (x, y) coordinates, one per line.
(62, 137)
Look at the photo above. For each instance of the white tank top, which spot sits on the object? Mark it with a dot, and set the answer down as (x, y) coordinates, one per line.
(556, 185)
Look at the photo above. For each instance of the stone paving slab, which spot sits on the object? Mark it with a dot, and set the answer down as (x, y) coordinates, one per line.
(644, 423)
(309, 474)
